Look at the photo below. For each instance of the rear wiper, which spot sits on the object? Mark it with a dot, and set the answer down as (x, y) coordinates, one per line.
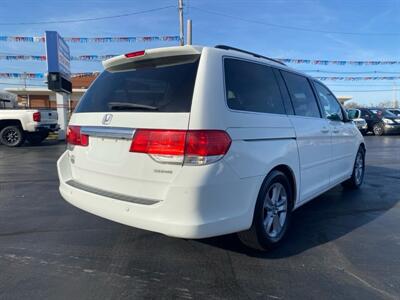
(130, 106)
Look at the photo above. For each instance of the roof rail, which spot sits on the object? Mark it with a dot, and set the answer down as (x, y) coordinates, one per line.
(225, 47)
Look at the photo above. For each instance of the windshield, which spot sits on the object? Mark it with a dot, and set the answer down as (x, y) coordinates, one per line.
(382, 113)
(150, 88)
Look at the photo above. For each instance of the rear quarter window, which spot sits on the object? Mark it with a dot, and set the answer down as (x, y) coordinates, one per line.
(164, 85)
(251, 87)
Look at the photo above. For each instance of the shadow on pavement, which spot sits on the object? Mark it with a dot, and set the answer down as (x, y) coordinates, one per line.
(329, 216)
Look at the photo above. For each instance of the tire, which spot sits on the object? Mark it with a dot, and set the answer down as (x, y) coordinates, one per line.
(363, 132)
(357, 177)
(12, 136)
(36, 138)
(378, 129)
(269, 211)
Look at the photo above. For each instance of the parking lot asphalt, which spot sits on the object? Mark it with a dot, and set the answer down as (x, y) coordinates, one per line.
(343, 245)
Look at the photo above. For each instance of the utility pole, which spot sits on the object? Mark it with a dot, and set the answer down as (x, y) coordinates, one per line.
(189, 32)
(28, 102)
(180, 9)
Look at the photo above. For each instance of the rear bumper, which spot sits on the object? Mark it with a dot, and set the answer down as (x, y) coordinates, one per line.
(47, 127)
(200, 209)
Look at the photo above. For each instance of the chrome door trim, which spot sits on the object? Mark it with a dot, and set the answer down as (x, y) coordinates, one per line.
(108, 132)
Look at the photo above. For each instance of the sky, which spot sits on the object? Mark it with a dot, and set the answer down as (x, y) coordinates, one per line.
(302, 29)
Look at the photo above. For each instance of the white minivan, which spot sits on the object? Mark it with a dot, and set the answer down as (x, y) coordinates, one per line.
(195, 142)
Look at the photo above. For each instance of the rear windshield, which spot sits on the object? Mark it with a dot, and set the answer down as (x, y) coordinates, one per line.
(160, 86)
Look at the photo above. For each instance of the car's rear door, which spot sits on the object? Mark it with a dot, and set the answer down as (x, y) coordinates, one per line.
(313, 136)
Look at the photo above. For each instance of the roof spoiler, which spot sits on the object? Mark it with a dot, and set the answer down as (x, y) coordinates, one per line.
(150, 54)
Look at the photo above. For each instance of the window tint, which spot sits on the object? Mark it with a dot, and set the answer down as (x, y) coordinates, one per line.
(329, 103)
(152, 86)
(303, 99)
(252, 87)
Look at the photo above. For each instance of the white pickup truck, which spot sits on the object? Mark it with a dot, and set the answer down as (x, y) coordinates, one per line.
(18, 125)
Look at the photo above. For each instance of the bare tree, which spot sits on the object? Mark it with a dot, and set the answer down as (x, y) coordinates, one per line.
(352, 104)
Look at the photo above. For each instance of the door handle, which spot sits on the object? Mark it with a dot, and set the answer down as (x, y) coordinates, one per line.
(324, 130)
(335, 130)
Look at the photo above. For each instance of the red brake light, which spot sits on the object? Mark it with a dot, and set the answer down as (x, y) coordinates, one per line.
(163, 142)
(134, 54)
(36, 116)
(193, 146)
(74, 136)
(207, 142)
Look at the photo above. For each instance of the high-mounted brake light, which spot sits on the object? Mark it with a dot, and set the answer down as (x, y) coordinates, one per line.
(134, 54)
(191, 147)
(36, 116)
(75, 137)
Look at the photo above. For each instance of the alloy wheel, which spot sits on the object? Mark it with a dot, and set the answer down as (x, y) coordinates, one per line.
(359, 168)
(275, 210)
(11, 136)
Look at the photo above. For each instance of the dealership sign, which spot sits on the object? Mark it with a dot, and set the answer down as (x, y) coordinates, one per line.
(58, 57)
(58, 63)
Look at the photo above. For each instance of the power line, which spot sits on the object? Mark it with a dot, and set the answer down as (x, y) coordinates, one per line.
(21, 84)
(291, 27)
(90, 19)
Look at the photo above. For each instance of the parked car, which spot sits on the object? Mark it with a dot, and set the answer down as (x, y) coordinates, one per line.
(34, 125)
(195, 142)
(381, 121)
(355, 115)
(395, 111)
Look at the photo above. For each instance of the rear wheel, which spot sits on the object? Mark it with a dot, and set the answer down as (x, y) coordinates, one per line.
(357, 177)
(272, 213)
(12, 136)
(378, 129)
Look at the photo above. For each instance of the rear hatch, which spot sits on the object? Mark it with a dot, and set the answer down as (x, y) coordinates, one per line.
(152, 90)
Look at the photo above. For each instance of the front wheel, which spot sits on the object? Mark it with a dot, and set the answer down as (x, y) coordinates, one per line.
(12, 136)
(357, 177)
(272, 213)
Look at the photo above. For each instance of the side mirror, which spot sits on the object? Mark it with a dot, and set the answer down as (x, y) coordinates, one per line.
(351, 116)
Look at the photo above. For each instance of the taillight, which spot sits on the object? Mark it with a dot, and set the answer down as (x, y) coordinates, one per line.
(191, 147)
(134, 54)
(74, 136)
(36, 116)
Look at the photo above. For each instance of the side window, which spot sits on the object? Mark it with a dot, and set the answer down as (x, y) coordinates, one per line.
(303, 99)
(330, 105)
(252, 87)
